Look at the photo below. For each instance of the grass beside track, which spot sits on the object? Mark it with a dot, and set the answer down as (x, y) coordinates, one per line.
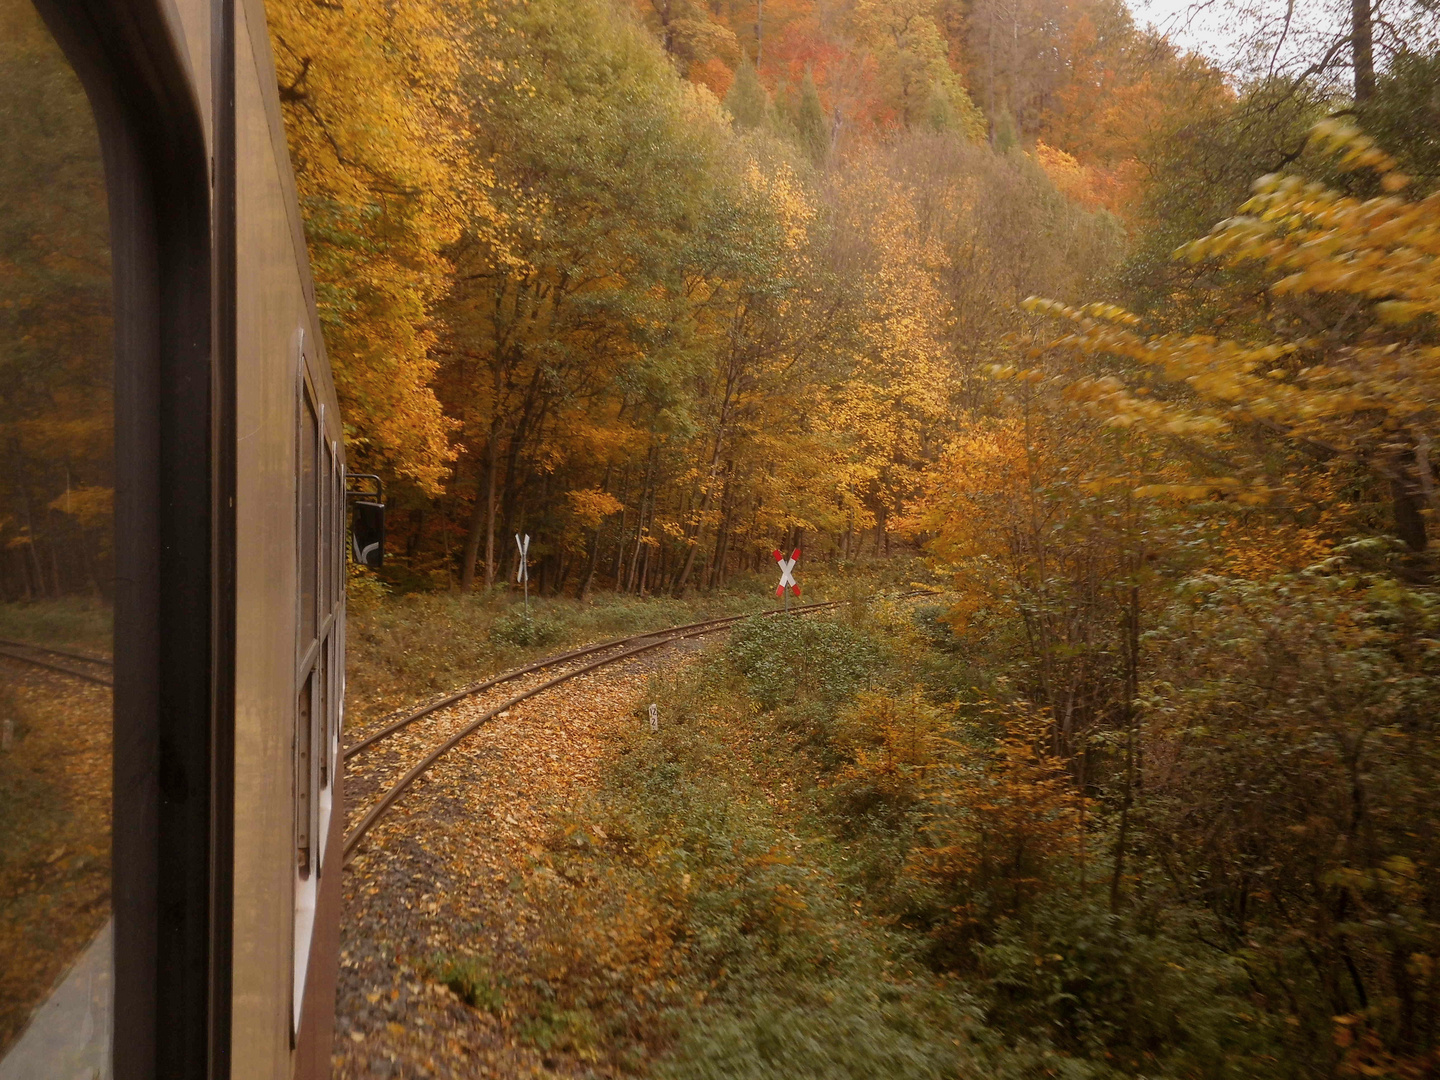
(403, 649)
(77, 622)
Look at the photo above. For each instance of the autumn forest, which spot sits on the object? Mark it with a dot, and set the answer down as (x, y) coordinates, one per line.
(1130, 357)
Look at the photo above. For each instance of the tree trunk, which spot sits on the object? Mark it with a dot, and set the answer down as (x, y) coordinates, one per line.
(1362, 50)
(1409, 520)
(593, 563)
(473, 530)
(482, 515)
(412, 543)
(490, 521)
(619, 563)
(684, 575)
(646, 495)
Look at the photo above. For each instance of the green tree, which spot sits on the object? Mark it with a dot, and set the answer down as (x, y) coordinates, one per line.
(747, 100)
(810, 122)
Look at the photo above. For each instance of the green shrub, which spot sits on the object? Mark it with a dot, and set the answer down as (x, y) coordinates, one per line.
(1094, 984)
(80, 622)
(521, 628)
(471, 980)
(858, 1035)
(570, 1030)
(785, 658)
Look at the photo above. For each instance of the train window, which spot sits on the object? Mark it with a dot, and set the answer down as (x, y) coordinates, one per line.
(319, 519)
(327, 528)
(308, 512)
(323, 684)
(341, 527)
(304, 718)
(56, 564)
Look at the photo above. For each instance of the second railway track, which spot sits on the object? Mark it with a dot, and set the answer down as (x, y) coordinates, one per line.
(90, 668)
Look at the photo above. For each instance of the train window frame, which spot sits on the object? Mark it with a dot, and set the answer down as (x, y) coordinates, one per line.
(305, 794)
(171, 209)
(319, 657)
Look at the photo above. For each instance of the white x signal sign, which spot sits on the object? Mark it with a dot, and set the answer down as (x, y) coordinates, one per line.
(787, 576)
(522, 572)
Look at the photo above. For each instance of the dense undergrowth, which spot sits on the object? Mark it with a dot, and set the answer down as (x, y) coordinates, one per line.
(834, 859)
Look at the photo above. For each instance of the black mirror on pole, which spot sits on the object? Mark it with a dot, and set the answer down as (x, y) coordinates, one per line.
(367, 522)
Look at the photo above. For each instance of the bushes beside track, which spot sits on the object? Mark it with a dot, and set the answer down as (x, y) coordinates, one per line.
(789, 879)
(404, 647)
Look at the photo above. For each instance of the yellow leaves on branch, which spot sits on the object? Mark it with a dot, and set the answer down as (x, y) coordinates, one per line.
(370, 96)
(901, 370)
(590, 506)
(1382, 249)
(787, 198)
(1359, 389)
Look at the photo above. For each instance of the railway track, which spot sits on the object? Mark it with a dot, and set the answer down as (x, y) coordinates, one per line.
(95, 669)
(623, 649)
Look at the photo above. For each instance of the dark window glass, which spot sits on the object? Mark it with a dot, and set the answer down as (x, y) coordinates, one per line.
(308, 545)
(327, 529)
(56, 563)
(304, 784)
(338, 569)
(323, 732)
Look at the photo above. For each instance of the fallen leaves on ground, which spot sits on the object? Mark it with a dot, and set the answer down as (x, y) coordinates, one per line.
(452, 878)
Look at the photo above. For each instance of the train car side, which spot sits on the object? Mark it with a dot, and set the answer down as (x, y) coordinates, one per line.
(289, 607)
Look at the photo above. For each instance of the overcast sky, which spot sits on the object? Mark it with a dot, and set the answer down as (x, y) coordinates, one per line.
(1222, 29)
(1231, 32)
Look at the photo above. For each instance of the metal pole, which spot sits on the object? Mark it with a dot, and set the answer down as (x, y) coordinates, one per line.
(522, 574)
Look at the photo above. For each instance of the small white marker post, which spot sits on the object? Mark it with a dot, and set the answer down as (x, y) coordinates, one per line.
(787, 576)
(522, 572)
(654, 717)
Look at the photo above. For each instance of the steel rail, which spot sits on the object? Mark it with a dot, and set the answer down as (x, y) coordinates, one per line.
(12, 655)
(105, 661)
(549, 661)
(373, 815)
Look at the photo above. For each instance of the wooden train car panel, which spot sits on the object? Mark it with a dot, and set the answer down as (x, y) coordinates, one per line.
(286, 801)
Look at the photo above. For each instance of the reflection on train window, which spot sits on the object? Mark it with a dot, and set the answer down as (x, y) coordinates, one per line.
(56, 564)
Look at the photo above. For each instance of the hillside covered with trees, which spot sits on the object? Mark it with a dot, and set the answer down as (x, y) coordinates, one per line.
(669, 285)
(1135, 358)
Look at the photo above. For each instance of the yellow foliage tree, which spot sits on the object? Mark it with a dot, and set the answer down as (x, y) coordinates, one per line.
(894, 400)
(1349, 367)
(369, 92)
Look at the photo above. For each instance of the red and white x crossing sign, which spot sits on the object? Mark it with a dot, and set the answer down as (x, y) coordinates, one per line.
(787, 577)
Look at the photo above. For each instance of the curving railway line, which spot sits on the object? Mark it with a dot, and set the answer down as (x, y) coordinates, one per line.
(621, 649)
